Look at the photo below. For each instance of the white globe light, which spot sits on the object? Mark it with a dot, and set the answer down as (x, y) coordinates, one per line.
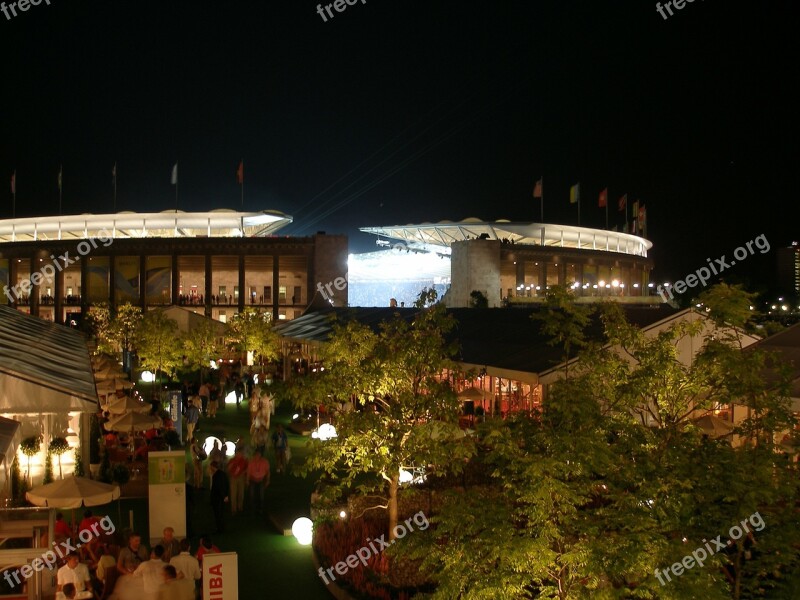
(303, 530)
(148, 376)
(230, 448)
(208, 445)
(231, 398)
(326, 431)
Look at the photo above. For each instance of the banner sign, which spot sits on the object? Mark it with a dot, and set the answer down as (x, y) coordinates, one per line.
(221, 576)
(166, 472)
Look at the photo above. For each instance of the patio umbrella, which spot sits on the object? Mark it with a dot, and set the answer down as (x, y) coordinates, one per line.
(101, 362)
(132, 421)
(471, 394)
(109, 373)
(106, 387)
(118, 406)
(73, 492)
(713, 426)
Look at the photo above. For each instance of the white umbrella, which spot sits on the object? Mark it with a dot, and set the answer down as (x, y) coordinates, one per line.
(118, 406)
(713, 426)
(73, 492)
(132, 421)
(471, 394)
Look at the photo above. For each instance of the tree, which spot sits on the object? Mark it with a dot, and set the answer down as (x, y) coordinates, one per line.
(114, 330)
(564, 321)
(478, 299)
(98, 320)
(251, 331)
(124, 325)
(401, 415)
(588, 499)
(58, 446)
(202, 344)
(30, 447)
(157, 343)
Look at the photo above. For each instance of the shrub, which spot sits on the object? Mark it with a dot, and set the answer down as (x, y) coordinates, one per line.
(78, 469)
(58, 446)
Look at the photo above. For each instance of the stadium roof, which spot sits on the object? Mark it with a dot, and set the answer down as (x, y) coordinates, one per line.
(445, 233)
(216, 223)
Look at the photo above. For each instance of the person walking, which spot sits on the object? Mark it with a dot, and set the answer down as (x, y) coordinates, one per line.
(204, 394)
(257, 480)
(192, 418)
(237, 474)
(220, 493)
(280, 443)
(198, 456)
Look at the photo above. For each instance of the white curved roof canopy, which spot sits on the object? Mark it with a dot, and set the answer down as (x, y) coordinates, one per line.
(533, 234)
(216, 223)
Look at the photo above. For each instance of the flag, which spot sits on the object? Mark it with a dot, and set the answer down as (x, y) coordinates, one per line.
(240, 172)
(538, 189)
(60, 172)
(175, 174)
(622, 203)
(603, 199)
(635, 212)
(575, 193)
(14, 183)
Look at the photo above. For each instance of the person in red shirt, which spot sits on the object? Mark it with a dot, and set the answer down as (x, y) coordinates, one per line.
(206, 547)
(237, 475)
(258, 480)
(92, 524)
(62, 529)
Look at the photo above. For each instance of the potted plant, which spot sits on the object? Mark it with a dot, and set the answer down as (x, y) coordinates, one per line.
(78, 468)
(48, 469)
(30, 447)
(58, 446)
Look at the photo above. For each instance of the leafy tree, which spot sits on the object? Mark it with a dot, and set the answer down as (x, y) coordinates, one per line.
(592, 499)
(564, 321)
(58, 446)
(125, 324)
(202, 344)
(478, 299)
(391, 410)
(30, 447)
(157, 343)
(98, 320)
(251, 331)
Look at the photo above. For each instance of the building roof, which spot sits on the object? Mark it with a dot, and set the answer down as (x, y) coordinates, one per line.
(166, 224)
(786, 344)
(504, 338)
(444, 233)
(44, 367)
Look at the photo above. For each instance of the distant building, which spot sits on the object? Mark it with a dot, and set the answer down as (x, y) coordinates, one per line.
(217, 262)
(515, 263)
(789, 269)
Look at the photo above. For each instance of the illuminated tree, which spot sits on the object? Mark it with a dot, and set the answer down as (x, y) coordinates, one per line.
(157, 343)
(202, 344)
(251, 331)
(391, 409)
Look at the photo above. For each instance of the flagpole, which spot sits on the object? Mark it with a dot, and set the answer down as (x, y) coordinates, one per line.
(242, 183)
(60, 184)
(115, 187)
(606, 208)
(542, 199)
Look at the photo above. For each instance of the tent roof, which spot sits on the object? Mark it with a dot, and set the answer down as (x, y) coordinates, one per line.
(44, 367)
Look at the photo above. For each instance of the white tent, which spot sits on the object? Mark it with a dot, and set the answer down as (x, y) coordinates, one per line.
(44, 367)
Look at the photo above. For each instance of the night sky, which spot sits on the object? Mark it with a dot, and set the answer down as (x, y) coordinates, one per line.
(397, 112)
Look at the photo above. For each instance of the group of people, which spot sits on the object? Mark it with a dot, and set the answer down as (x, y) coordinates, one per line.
(168, 572)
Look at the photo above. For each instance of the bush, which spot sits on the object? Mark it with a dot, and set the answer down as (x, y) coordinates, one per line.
(48, 469)
(78, 469)
(172, 439)
(58, 446)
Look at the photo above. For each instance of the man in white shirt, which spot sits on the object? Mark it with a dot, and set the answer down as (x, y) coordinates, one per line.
(152, 573)
(74, 572)
(175, 588)
(185, 563)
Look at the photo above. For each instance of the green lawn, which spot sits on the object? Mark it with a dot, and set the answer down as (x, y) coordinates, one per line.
(269, 563)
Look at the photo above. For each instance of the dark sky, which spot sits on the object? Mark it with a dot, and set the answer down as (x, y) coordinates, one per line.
(402, 111)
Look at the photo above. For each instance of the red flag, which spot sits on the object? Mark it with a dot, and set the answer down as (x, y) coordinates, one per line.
(603, 199)
(538, 189)
(240, 172)
(623, 202)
